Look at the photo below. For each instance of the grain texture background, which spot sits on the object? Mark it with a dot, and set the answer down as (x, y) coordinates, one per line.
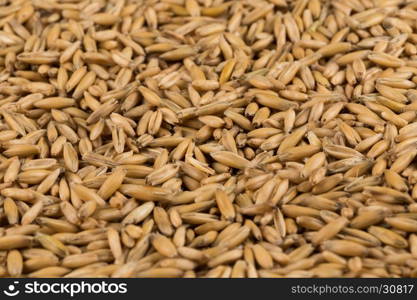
(208, 138)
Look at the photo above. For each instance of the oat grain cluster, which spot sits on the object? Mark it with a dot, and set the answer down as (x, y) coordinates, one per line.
(208, 138)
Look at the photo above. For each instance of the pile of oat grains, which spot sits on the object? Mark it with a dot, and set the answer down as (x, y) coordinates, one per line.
(208, 138)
